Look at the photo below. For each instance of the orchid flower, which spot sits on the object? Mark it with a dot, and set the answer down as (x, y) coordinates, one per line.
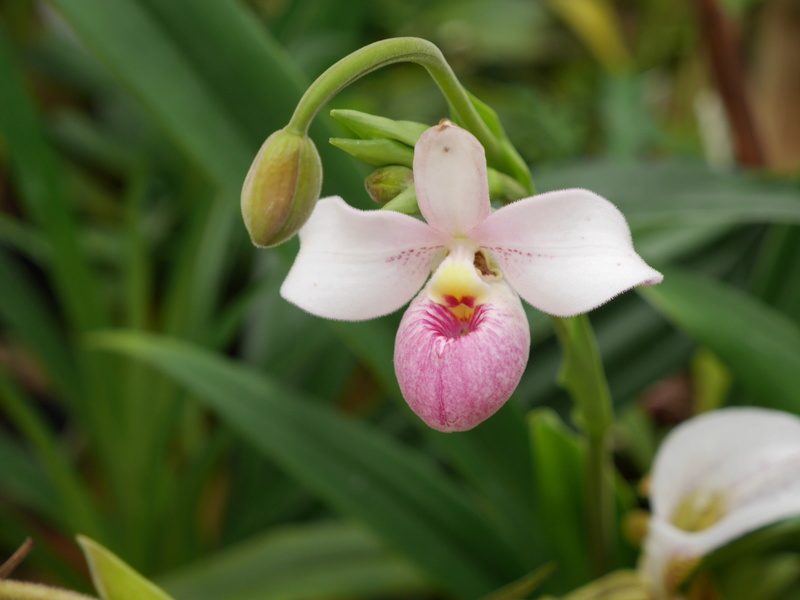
(717, 477)
(463, 343)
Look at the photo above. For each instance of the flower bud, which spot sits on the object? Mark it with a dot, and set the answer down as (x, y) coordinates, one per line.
(378, 152)
(281, 188)
(369, 127)
(387, 183)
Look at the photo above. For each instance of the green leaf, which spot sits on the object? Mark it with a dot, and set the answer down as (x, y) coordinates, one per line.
(260, 93)
(680, 193)
(396, 492)
(524, 586)
(619, 585)
(40, 181)
(760, 345)
(304, 562)
(776, 276)
(115, 580)
(137, 50)
(778, 536)
(23, 479)
(30, 318)
(23, 590)
(373, 343)
(181, 70)
(62, 484)
(558, 464)
(495, 457)
(764, 564)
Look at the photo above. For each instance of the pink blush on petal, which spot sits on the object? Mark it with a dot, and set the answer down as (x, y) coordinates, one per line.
(457, 373)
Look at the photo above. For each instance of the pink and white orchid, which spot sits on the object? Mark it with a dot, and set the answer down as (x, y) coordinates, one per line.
(463, 343)
(715, 478)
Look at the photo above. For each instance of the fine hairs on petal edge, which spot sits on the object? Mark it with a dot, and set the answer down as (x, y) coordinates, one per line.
(566, 252)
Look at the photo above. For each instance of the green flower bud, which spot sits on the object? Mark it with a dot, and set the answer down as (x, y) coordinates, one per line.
(386, 183)
(378, 152)
(369, 127)
(281, 189)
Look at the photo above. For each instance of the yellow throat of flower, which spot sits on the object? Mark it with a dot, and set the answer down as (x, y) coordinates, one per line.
(696, 511)
(699, 510)
(457, 283)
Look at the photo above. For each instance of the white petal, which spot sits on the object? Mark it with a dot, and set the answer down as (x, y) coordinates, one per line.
(747, 457)
(747, 453)
(665, 549)
(450, 179)
(564, 252)
(355, 265)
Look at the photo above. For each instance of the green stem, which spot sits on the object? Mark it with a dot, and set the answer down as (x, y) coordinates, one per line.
(583, 377)
(20, 590)
(389, 52)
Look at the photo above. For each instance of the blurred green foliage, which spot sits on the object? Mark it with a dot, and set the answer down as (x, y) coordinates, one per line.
(229, 445)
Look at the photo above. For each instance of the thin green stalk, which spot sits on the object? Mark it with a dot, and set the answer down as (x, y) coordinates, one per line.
(389, 52)
(583, 377)
(599, 478)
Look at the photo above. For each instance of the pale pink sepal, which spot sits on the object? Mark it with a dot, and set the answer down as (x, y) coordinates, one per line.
(750, 457)
(455, 382)
(355, 265)
(450, 179)
(564, 252)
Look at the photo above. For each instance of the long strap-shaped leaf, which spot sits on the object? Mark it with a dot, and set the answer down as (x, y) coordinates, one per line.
(38, 178)
(317, 560)
(757, 342)
(215, 81)
(680, 193)
(137, 51)
(398, 494)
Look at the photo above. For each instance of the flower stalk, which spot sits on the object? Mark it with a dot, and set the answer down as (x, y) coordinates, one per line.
(582, 375)
(424, 53)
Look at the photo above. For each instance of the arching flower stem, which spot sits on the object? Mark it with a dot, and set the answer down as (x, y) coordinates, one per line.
(422, 52)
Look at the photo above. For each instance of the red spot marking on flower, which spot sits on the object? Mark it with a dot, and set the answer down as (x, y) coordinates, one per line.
(452, 301)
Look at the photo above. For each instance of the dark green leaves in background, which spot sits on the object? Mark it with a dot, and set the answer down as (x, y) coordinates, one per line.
(230, 445)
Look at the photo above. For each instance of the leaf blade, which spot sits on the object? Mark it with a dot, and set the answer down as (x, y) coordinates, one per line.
(760, 345)
(401, 496)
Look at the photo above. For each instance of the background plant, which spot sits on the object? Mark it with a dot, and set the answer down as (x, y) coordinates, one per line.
(232, 446)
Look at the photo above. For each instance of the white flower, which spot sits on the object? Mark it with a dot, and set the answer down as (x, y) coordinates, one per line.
(463, 343)
(717, 477)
